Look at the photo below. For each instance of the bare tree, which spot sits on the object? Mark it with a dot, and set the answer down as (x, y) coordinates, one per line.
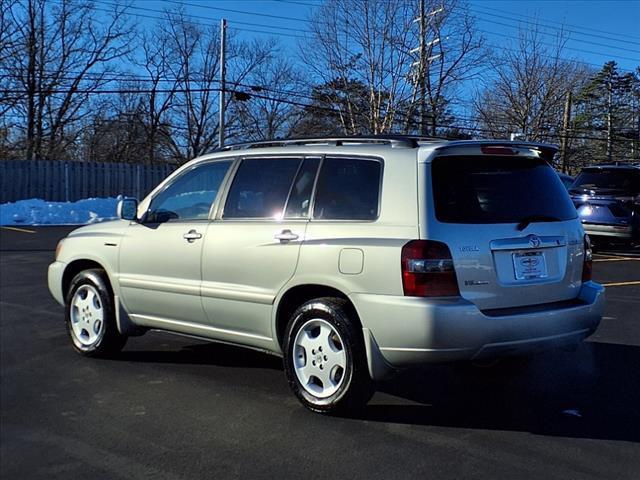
(8, 47)
(157, 103)
(63, 54)
(453, 54)
(267, 108)
(362, 42)
(527, 91)
(374, 43)
(195, 63)
(7, 28)
(7, 98)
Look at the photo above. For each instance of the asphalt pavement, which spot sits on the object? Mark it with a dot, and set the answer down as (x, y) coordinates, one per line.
(173, 407)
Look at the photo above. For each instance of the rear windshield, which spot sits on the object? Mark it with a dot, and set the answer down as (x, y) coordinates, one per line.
(498, 190)
(619, 179)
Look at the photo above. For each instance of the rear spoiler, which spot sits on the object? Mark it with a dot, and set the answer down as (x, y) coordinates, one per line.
(545, 151)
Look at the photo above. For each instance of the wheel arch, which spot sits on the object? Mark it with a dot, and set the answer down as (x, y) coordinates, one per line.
(77, 266)
(299, 294)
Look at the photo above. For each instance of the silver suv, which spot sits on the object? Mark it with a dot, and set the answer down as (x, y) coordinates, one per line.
(352, 258)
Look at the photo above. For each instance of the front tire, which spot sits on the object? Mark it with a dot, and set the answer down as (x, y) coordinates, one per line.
(90, 315)
(324, 357)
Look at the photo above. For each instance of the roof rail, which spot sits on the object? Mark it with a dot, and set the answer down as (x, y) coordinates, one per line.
(616, 164)
(406, 141)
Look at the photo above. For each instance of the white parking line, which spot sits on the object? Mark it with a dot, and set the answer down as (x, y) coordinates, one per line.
(626, 254)
(617, 259)
(16, 229)
(621, 284)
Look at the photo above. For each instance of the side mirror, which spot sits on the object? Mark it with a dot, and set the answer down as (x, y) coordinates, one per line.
(128, 209)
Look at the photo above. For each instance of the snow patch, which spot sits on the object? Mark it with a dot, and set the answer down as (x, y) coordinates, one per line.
(572, 412)
(39, 212)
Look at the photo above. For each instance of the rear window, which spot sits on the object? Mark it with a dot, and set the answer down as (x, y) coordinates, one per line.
(497, 190)
(618, 179)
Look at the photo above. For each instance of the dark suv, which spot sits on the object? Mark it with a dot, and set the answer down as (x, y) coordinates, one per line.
(607, 198)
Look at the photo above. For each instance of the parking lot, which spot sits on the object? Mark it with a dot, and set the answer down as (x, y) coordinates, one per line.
(174, 407)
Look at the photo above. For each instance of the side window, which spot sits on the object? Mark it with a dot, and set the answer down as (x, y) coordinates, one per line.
(300, 196)
(189, 196)
(348, 189)
(260, 188)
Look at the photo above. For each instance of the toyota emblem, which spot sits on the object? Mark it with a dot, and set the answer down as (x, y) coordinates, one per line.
(534, 241)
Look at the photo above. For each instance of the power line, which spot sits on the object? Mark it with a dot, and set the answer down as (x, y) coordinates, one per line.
(558, 30)
(251, 24)
(241, 12)
(526, 19)
(194, 22)
(565, 47)
(304, 4)
(281, 34)
(562, 24)
(256, 88)
(244, 12)
(160, 91)
(294, 103)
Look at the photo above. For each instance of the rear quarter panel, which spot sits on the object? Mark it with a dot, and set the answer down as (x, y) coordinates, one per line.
(361, 256)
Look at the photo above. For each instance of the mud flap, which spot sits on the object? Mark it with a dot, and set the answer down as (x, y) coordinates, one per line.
(379, 369)
(125, 325)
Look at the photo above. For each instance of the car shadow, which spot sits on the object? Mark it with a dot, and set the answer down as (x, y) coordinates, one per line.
(607, 248)
(215, 354)
(591, 393)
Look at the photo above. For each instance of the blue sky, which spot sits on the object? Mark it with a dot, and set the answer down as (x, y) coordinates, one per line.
(598, 30)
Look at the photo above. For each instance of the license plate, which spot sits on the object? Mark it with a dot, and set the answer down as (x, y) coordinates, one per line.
(529, 265)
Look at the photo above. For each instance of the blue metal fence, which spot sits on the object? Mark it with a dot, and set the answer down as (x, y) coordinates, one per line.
(70, 181)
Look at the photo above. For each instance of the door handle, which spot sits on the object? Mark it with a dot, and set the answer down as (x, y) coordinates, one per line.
(191, 236)
(286, 236)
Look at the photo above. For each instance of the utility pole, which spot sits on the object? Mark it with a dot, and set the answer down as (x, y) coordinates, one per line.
(223, 34)
(565, 131)
(423, 60)
(422, 70)
(609, 107)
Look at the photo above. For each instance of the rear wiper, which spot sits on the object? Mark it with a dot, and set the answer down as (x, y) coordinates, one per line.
(524, 222)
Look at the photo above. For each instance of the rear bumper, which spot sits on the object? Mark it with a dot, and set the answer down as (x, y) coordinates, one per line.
(411, 331)
(623, 232)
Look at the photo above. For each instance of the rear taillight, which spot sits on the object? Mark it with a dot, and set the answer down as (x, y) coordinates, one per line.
(587, 266)
(427, 270)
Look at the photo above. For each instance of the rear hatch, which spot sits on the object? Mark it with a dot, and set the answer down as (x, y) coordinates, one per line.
(510, 225)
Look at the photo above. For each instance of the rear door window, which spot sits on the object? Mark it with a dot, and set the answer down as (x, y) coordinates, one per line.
(260, 188)
(484, 189)
(300, 195)
(348, 189)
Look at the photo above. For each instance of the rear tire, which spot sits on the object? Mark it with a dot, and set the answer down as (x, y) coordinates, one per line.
(324, 358)
(90, 315)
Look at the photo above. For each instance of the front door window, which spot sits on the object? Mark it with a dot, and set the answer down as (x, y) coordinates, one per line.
(190, 195)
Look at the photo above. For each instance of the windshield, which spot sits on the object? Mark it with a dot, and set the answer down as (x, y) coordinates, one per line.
(620, 179)
(498, 190)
